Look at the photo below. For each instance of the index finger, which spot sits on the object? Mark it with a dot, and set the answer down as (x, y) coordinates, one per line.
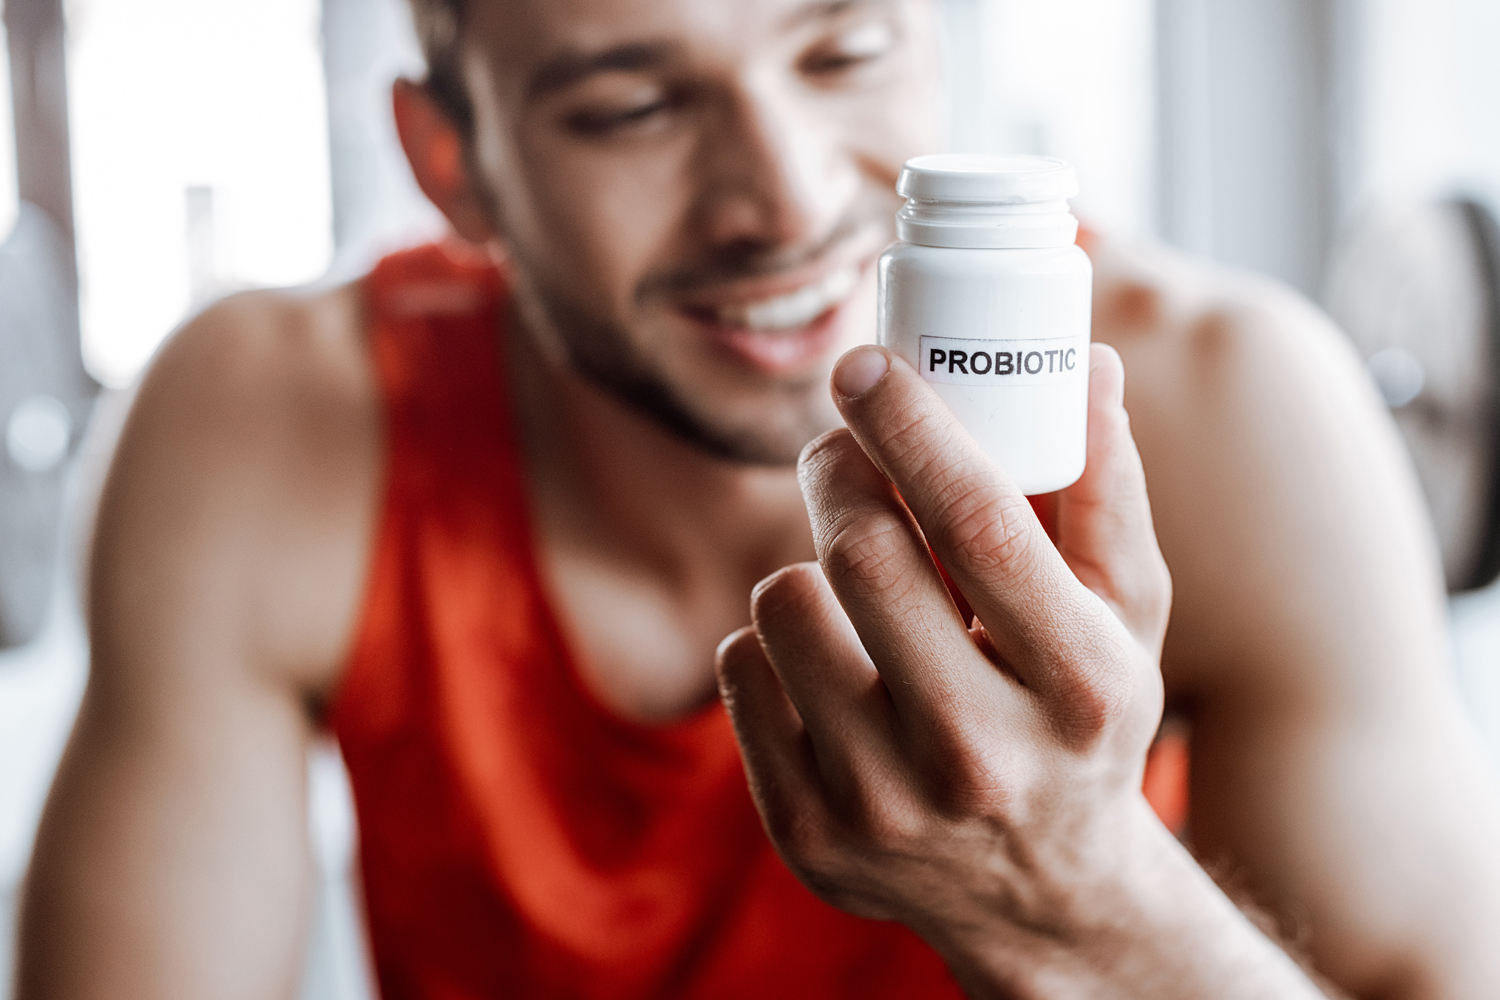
(975, 518)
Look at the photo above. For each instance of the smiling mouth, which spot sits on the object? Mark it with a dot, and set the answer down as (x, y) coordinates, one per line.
(787, 313)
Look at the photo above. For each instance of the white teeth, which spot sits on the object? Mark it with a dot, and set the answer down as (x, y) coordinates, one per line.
(795, 308)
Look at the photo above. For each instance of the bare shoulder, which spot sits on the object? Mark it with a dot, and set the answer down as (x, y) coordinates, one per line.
(1195, 325)
(1286, 508)
(241, 496)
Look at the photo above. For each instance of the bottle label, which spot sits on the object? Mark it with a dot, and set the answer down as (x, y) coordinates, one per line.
(957, 361)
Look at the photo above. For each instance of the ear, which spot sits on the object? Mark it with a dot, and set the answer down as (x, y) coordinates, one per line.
(435, 149)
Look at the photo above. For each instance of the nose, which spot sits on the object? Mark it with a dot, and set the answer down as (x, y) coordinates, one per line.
(771, 174)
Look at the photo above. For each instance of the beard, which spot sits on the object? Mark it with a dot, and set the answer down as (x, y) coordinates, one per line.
(603, 353)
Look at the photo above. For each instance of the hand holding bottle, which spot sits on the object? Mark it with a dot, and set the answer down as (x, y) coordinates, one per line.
(980, 784)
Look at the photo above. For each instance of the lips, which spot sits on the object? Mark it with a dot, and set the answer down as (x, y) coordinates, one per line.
(783, 333)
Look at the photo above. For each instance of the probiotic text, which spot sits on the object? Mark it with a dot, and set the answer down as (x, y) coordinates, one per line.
(988, 296)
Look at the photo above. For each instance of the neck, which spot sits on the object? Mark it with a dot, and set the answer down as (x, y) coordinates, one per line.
(616, 488)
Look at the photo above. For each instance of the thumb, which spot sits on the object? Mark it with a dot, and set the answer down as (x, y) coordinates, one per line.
(1104, 528)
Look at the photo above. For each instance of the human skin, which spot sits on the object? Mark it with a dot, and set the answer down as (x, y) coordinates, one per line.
(981, 782)
(1333, 781)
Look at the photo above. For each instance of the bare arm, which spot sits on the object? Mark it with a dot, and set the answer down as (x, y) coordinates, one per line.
(172, 860)
(1335, 778)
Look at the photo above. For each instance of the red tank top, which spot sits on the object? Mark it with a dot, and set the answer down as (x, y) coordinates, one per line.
(517, 838)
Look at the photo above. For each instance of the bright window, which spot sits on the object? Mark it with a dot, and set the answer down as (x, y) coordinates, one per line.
(200, 161)
(1429, 97)
(1068, 78)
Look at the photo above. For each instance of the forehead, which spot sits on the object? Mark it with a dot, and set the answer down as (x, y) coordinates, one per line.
(517, 36)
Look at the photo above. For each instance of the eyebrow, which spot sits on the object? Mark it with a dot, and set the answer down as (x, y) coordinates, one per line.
(820, 10)
(571, 66)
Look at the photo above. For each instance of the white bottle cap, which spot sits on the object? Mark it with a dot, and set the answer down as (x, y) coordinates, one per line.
(1005, 180)
(979, 200)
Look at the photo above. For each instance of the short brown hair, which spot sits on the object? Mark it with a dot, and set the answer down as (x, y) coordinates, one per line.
(438, 23)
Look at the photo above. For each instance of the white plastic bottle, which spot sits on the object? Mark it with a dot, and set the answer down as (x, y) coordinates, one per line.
(988, 296)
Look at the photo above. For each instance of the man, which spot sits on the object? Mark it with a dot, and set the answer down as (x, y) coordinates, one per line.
(503, 588)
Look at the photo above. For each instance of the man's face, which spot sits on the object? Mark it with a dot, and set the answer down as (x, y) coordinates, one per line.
(693, 192)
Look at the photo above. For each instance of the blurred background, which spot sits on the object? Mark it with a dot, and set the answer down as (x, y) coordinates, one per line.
(155, 154)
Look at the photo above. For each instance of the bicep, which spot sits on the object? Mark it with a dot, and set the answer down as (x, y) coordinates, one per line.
(173, 858)
(1308, 648)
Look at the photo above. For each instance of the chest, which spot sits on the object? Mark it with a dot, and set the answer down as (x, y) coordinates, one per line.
(642, 646)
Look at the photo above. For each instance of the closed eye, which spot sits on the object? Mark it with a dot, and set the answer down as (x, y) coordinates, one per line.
(597, 122)
(860, 44)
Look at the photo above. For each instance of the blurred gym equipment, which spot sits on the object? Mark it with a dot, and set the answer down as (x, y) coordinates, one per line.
(45, 395)
(1417, 288)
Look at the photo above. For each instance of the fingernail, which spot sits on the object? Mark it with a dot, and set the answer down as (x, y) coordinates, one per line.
(860, 369)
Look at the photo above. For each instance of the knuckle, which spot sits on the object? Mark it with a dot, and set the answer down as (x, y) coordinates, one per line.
(822, 457)
(785, 591)
(865, 553)
(1159, 603)
(969, 769)
(988, 529)
(1145, 601)
(1140, 594)
(880, 819)
(1087, 713)
(1095, 693)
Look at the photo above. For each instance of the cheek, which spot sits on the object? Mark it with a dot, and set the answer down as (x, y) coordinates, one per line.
(902, 117)
(900, 123)
(601, 219)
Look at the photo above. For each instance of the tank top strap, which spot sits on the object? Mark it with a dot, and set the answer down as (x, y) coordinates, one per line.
(453, 536)
(435, 326)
